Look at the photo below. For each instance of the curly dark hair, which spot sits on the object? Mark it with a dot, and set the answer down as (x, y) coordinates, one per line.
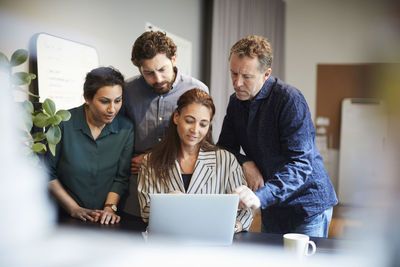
(254, 46)
(99, 77)
(151, 43)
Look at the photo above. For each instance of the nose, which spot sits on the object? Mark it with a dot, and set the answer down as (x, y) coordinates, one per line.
(194, 128)
(157, 77)
(238, 82)
(111, 108)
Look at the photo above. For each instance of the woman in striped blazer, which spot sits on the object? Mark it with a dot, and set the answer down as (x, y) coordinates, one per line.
(186, 161)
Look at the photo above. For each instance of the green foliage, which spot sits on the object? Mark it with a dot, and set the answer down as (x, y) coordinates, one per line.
(47, 118)
(4, 63)
(18, 57)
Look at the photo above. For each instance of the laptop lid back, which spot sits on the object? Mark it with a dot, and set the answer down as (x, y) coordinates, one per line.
(193, 218)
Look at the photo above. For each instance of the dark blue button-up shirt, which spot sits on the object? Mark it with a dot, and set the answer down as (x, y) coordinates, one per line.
(275, 131)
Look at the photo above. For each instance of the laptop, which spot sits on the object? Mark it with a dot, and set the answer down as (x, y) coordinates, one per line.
(199, 219)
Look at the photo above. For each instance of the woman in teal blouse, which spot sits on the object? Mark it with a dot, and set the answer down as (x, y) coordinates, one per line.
(90, 170)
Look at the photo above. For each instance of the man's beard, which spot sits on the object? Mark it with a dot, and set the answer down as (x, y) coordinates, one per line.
(163, 90)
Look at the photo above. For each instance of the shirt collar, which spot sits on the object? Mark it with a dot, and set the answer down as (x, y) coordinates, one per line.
(178, 78)
(266, 89)
(263, 93)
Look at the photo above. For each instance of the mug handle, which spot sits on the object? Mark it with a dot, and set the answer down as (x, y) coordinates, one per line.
(313, 248)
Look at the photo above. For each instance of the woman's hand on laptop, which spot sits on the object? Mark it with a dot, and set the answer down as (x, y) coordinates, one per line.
(247, 199)
(238, 227)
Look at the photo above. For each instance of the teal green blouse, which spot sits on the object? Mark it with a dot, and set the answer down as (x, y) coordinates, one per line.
(89, 169)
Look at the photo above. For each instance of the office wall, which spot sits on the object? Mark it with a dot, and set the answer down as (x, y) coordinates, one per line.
(330, 32)
(110, 26)
(333, 32)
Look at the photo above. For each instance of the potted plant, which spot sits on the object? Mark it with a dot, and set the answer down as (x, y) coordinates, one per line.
(46, 118)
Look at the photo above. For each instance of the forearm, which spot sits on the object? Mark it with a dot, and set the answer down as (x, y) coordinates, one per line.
(112, 198)
(282, 185)
(62, 196)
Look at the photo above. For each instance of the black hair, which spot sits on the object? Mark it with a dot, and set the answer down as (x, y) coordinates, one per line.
(99, 77)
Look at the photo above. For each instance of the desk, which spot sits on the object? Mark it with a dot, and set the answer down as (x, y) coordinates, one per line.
(324, 245)
(135, 225)
(129, 224)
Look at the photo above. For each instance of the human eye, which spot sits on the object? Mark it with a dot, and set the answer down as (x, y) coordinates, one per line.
(118, 100)
(148, 73)
(247, 77)
(189, 120)
(204, 124)
(233, 73)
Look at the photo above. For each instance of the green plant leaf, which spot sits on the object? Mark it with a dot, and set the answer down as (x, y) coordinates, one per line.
(38, 147)
(52, 148)
(64, 114)
(21, 78)
(53, 135)
(40, 120)
(27, 122)
(54, 120)
(38, 136)
(33, 95)
(4, 62)
(49, 106)
(28, 106)
(19, 57)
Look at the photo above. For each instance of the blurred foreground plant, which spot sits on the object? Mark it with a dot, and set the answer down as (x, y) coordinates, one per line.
(46, 118)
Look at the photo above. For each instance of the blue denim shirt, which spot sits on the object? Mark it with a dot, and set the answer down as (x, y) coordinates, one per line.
(275, 131)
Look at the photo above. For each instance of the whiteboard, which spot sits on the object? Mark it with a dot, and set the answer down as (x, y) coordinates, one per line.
(363, 132)
(62, 66)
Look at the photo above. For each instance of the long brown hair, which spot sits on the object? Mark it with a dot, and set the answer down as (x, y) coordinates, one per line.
(162, 157)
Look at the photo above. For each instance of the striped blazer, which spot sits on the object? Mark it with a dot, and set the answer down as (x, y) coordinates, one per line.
(215, 172)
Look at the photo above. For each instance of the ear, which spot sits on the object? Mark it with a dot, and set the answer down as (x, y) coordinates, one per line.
(86, 100)
(267, 74)
(176, 115)
(173, 60)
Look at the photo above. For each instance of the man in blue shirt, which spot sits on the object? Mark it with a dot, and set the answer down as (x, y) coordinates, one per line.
(149, 99)
(271, 122)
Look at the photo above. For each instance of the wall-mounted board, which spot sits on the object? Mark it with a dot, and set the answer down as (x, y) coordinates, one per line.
(363, 133)
(61, 69)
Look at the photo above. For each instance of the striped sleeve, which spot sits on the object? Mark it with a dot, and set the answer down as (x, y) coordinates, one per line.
(145, 188)
(236, 179)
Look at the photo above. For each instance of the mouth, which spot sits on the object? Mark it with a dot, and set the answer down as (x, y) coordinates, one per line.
(240, 93)
(109, 117)
(159, 85)
(191, 138)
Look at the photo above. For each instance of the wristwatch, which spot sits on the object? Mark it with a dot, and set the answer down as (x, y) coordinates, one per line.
(112, 206)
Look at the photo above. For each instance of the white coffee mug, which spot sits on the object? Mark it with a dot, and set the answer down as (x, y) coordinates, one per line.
(298, 244)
